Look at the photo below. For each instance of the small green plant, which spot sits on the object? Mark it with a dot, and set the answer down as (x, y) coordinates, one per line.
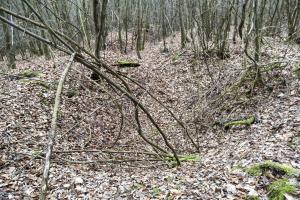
(279, 188)
(283, 169)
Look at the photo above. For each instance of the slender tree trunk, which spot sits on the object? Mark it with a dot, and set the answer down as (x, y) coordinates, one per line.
(139, 34)
(119, 25)
(243, 18)
(99, 29)
(182, 28)
(235, 21)
(126, 25)
(8, 35)
(163, 24)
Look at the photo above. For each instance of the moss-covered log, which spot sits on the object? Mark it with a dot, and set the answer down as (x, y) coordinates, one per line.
(248, 121)
(283, 169)
(126, 63)
(187, 158)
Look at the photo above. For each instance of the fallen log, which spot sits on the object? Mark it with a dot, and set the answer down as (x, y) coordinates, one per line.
(248, 121)
(126, 63)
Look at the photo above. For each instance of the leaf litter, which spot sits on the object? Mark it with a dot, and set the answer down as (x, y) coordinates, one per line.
(90, 120)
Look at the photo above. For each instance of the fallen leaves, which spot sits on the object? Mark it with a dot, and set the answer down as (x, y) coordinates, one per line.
(185, 87)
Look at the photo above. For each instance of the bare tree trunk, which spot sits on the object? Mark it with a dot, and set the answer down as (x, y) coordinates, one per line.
(163, 24)
(243, 18)
(99, 29)
(8, 35)
(126, 26)
(119, 25)
(182, 28)
(235, 21)
(139, 31)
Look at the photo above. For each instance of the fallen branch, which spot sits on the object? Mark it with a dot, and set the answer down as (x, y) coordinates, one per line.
(107, 152)
(52, 134)
(111, 77)
(113, 161)
(250, 120)
(124, 64)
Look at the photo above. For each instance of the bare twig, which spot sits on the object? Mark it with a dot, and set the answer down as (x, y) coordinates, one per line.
(113, 161)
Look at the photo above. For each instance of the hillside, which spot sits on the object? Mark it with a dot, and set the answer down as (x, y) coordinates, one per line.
(200, 92)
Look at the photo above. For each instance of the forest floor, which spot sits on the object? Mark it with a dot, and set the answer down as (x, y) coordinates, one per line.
(89, 119)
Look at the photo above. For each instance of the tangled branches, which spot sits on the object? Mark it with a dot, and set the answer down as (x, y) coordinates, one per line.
(102, 69)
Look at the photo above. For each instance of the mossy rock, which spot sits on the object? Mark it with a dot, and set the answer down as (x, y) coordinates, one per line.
(126, 63)
(248, 121)
(282, 169)
(278, 189)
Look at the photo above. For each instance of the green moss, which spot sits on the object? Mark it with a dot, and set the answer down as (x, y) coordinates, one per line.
(250, 120)
(279, 188)
(254, 170)
(188, 158)
(251, 197)
(283, 169)
(127, 63)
